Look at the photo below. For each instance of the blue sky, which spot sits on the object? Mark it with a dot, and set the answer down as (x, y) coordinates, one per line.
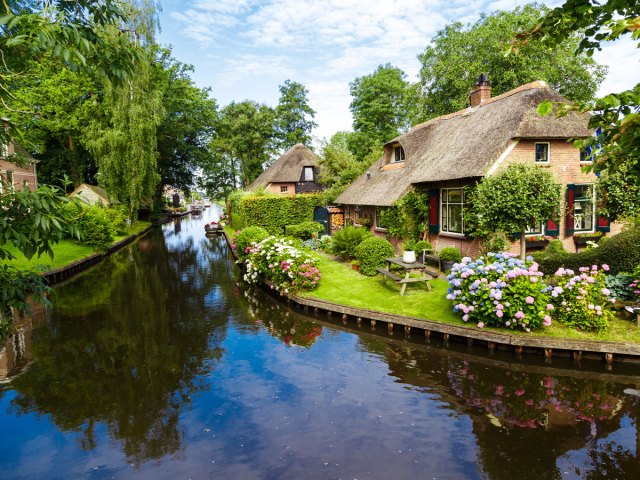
(245, 49)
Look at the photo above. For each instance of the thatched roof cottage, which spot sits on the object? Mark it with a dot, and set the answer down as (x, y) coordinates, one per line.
(92, 195)
(296, 171)
(446, 153)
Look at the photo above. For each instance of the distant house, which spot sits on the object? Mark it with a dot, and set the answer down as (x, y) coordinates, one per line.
(92, 195)
(296, 171)
(450, 152)
(17, 167)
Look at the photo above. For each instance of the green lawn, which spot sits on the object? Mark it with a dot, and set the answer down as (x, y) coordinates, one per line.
(341, 284)
(64, 252)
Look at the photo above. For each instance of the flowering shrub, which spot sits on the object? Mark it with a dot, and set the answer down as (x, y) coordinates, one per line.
(582, 300)
(499, 290)
(243, 239)
(278, 261)
(539, 238)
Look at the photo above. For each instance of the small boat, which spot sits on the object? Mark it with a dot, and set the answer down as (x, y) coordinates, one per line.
(212, 228)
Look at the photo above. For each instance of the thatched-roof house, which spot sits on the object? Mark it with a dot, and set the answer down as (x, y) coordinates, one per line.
(17, 167)
(447, 153)
(92, 195)
(296, 171)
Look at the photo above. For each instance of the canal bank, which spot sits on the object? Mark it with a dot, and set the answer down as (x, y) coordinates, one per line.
(606, 351)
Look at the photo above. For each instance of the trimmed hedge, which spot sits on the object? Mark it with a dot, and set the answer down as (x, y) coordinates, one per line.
(272, 212)
(372, 253)
(621, 252)
(304, 230)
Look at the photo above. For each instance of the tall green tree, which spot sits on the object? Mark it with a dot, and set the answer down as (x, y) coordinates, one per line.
(243, 144)
(338, 166)
(515, 198)
(616, 117)
(294, 116)
(187, 122)
(460, 53)
(380, 109)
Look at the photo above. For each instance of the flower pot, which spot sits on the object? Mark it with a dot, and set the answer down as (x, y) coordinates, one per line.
(355, 266)
(446, 265)
(409, 256)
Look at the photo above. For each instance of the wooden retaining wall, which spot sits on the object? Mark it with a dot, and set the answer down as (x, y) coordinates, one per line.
(548, 346)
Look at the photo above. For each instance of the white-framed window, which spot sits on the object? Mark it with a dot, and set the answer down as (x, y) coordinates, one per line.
(542, 152)
(452, 210)
(534, 229)
(308, 174)
(398, 154)
(584, 201)
(585, 157)
(380, 223)
(284, 188)
(4, 150)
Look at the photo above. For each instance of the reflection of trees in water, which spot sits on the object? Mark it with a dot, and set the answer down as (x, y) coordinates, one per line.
(524, 417)
(280, 321)
(130, 357)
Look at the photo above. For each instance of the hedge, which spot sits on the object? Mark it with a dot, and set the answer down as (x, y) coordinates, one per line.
(621, 252)
(304, 230)
(272, 212)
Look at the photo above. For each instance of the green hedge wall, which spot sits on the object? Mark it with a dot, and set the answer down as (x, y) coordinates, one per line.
(272, 212)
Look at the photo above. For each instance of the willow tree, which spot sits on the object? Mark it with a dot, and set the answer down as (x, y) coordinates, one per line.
(517, 197)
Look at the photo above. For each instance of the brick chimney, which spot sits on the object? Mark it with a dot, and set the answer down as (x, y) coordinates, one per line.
(482, 91)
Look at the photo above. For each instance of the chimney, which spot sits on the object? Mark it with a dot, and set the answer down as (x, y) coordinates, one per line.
(482, 91)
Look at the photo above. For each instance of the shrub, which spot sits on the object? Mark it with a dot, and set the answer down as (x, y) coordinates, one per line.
(277, 260)
(304, 230)
(246, 237)
(346, 240)
(582, 301)
(621, 286)
(499, 290)
(555, 246)
(371, 254)
(495, 242)
(621, 253)
(450, 254)
(325, 243)
(422, 245)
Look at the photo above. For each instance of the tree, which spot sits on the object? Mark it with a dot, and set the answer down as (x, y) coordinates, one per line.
(459, 53)
(517, 197)
(616, 117)
(338, 166)
(294, 117)
(379, 109)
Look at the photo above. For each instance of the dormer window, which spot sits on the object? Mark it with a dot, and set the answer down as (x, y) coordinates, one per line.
(308, 174)
(398, 154)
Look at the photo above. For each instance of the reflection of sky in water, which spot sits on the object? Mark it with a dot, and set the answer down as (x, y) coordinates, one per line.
(270, 404)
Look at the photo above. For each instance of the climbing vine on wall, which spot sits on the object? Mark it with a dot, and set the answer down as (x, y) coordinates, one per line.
(408, 218)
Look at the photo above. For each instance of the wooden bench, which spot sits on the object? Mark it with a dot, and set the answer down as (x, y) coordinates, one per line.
(389, 274)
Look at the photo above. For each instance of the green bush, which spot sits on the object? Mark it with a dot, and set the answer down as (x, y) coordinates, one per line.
(621, 253)
(304, 230)
(450, 254)
(422, 245)
(272, 212)
(496, 242)
(555, 246)
(246, 237)
(98, 225)
(371, 254)
(345, 241)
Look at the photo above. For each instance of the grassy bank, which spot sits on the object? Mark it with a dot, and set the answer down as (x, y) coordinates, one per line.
(65, 252)
(341, 284)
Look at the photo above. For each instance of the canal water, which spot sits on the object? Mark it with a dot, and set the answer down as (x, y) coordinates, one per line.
(160, 363)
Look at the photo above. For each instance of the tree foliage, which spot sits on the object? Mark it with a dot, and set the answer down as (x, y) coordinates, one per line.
(338, 166)
(294, 117)
(380, 109)
(518, 196)
(459, 53)
(616, 117)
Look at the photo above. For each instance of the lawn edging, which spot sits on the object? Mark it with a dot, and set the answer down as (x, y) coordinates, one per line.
(607, 351)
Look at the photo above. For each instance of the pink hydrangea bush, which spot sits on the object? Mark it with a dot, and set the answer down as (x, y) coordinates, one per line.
(500, 290)
(582, 299)
(286, 267)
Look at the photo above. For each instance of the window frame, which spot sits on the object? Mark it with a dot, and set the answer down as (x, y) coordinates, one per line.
(304, 174)
(284, 188)
(535, 153)
(444, 217)
(394, 156)
(530, 232)
(377, 224)
(576, 201)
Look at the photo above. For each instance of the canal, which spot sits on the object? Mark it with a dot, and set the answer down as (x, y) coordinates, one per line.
(160, 363)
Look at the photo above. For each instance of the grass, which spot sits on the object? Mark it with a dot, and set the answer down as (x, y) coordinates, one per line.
(341, 284)
(65, 252)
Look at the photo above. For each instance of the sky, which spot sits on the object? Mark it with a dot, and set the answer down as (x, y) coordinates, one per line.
(246, 49)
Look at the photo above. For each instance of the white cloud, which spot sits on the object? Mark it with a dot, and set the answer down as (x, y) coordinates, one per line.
(623, 59)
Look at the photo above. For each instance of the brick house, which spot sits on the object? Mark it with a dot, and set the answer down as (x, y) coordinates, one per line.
(17, 167)
(296, 171)
(447, 153)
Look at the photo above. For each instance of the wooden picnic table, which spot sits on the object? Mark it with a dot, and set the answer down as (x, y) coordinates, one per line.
(408, 268)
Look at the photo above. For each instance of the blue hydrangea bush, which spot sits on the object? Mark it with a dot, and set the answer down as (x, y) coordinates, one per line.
(500, 290)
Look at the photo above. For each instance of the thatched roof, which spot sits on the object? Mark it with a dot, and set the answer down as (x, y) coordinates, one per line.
(98, 193)
(287, 168)
(463, 144)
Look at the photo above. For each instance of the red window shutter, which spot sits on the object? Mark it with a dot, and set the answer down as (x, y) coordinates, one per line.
(569, 203)
(434, 211)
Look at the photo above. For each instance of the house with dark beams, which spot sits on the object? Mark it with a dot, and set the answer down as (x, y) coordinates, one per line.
(447, 153)
(296, 171)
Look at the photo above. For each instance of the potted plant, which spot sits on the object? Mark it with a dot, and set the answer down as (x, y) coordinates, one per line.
(581, 239)
(537, 242)
(449, 256)
(423, 248)
(355, 264)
